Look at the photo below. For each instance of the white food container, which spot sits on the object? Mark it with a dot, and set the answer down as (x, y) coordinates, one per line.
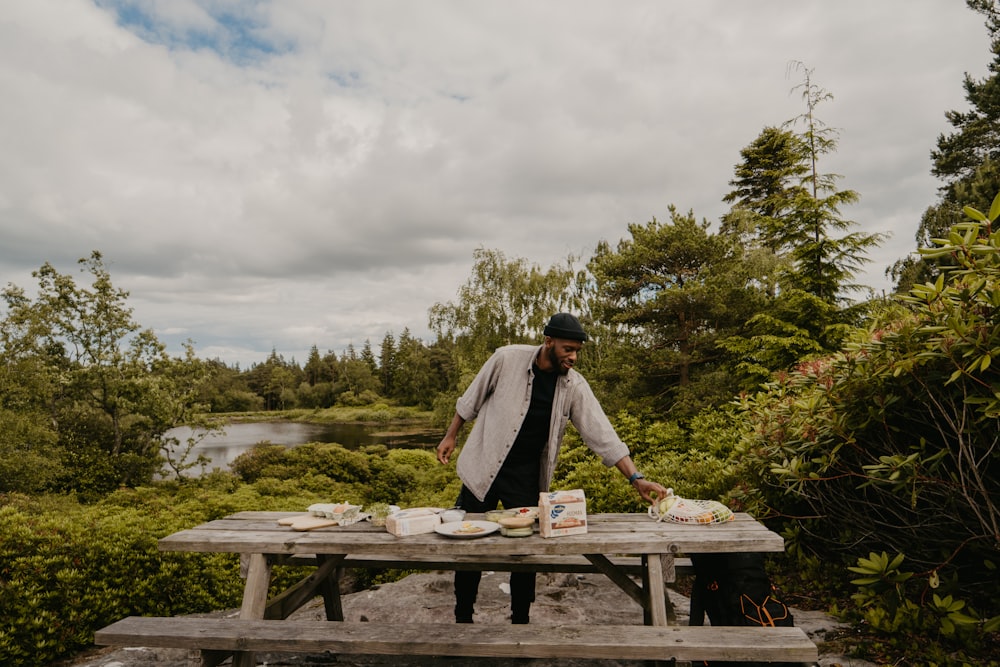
(412, 522)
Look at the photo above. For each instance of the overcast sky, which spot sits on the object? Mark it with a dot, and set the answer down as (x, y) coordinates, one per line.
(274, 174)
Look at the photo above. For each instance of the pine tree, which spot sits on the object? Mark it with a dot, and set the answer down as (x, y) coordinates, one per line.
(785, 205)
(824, 263)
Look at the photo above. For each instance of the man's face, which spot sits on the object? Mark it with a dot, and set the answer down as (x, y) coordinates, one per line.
(562, 353)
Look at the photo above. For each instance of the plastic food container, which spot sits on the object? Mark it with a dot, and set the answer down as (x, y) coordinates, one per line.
(453, 514)
(496, 515)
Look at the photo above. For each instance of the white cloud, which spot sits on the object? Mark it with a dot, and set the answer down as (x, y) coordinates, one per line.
(282, 174)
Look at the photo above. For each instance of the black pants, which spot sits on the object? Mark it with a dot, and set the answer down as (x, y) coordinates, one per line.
(511, 491)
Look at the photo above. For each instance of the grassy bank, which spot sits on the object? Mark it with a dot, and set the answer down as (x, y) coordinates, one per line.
(369, 414)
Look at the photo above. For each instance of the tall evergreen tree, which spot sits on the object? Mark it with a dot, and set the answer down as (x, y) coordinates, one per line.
(368, 356)
(824, 263)
(387, 363)
(784, 205)
(416, 381)
(767, 183)
(315, 370)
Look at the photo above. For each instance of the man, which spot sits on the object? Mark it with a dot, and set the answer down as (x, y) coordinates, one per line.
(521, 401)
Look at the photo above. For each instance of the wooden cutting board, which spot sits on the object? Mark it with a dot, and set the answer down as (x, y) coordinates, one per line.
(289, 520)
(312, 523)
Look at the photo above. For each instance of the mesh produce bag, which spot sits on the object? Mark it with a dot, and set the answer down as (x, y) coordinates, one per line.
(684, 510)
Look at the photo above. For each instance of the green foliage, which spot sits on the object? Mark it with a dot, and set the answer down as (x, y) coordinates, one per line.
(352, 399)
(418, 372)
(964, 303)
(891, 445)
(766, 183)
(279, 462)
(73, 569)
(672, 291)
(107, 390)
(504, 301)
(967, 160)
(406, 371)
(902, 607)
(785, 206)
(796, 325)
(664, 451)
(29, 459)
(397, 476)
(67, 569)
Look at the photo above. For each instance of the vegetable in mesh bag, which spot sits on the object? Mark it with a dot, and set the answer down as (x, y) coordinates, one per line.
(685, 510)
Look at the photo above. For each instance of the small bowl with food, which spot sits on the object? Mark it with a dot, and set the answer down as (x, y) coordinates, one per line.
(516, 526)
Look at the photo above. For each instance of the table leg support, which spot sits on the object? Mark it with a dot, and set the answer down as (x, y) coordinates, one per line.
(325, 580)
(254, 600)
(656, 591)
(330, 589)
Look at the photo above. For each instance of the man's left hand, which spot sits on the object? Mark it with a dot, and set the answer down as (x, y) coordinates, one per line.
(649, 490)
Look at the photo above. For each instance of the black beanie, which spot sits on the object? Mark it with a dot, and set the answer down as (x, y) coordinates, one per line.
(564, 325)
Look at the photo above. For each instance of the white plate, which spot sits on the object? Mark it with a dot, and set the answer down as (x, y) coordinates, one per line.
(452, 528)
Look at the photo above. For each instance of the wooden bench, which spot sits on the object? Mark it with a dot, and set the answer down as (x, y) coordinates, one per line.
(326, 580)
(629, 642)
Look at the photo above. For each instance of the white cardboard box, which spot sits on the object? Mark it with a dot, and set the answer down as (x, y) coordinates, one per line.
(412, 522)
(562, 513)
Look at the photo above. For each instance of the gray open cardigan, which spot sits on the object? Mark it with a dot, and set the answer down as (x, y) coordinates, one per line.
(498, 399)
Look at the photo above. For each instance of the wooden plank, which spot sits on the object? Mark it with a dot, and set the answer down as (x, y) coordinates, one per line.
(631, 565)
(268, 521)
(254, 599)
(689, 540)
(502, 640)
(255, 592)
(607, 568)
(653, 585)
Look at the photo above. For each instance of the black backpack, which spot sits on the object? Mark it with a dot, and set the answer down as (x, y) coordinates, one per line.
(734, 589)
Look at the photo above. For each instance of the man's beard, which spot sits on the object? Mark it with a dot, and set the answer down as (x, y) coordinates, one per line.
(554, 360)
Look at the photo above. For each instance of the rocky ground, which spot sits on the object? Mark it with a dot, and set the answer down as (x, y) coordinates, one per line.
(561, 598)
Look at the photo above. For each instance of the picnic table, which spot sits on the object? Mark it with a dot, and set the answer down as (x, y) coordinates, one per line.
(635, 552)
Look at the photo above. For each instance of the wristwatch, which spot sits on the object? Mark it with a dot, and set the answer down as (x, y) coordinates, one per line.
(636, 475)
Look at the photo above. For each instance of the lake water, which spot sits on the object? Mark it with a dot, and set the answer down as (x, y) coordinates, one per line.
(222, 448)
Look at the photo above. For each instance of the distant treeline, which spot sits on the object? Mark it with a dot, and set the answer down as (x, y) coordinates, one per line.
(405, 371)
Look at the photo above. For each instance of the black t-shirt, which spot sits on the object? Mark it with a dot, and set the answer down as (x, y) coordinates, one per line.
(534, 433)
(517, 484)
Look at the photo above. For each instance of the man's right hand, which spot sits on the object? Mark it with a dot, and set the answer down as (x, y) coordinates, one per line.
(447, 446)
(445, 449)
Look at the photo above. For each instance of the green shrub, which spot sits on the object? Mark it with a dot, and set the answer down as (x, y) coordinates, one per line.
(67, 569)
(334, 461)
(891, 446)
(917, 615)
(405, 477)
(665, 452)
(259, 461)
(29, 458)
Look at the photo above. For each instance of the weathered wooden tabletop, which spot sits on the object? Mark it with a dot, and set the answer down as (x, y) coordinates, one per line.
(259, 532)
